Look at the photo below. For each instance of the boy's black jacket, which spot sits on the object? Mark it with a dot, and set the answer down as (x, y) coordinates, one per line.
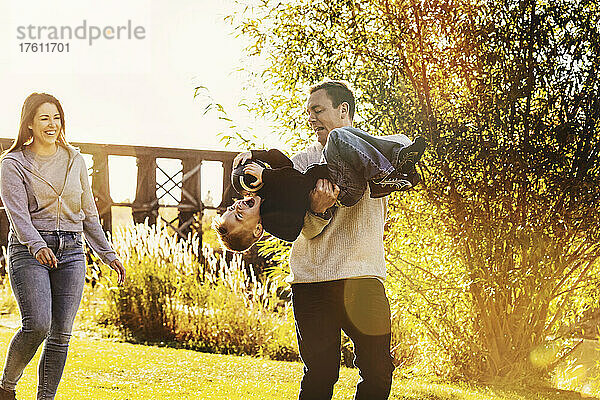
(285, 193)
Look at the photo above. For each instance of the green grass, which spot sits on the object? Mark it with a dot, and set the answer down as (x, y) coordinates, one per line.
(103, 369)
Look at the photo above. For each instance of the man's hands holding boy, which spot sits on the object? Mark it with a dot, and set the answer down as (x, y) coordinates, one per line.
(323, 196)
(256, 171)
(251, 169)
(241, 158)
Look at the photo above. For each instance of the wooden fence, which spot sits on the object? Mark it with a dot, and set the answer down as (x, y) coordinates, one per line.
(146, 204)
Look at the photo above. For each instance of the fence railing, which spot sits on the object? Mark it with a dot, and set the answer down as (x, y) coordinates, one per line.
(184, 186)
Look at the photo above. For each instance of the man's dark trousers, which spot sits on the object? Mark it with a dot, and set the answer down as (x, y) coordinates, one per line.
(359, 307)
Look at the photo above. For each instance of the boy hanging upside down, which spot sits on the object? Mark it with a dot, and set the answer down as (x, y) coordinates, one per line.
(353, 159)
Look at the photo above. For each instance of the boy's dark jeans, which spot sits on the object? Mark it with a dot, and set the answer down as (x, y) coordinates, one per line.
(354, 157)
(359, 307)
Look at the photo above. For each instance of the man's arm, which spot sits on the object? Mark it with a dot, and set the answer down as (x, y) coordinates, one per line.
(313, 225)
(274, 157)
(322, 198)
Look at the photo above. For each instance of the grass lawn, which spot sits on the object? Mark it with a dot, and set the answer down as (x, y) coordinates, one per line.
(103, 369)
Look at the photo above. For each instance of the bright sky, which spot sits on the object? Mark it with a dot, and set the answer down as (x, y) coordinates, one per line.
(125, 91)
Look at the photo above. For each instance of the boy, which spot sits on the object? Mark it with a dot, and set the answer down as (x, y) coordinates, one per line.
(354, 158)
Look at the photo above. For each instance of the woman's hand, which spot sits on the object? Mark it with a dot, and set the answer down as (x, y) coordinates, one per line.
(241, 158)
(119, 269)
(46, 256)
(256, 171)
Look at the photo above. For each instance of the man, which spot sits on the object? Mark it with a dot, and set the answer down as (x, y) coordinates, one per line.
(338, 267)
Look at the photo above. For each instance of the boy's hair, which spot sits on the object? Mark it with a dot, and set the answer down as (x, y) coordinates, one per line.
(237, 240)
(339, 93)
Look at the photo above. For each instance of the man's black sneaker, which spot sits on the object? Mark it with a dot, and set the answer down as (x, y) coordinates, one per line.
(408, 156)
(394, 182)
(7, 394)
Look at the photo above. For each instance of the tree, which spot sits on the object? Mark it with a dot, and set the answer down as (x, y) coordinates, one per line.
(507, 94)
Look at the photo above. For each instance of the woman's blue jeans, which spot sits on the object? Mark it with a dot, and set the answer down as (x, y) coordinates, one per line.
(48, 300)
(354, 157)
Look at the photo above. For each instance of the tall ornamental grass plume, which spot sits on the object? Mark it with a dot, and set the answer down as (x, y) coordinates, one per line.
(8, 304)
(175, 294)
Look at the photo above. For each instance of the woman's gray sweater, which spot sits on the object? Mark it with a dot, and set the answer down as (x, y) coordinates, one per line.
(35, 203)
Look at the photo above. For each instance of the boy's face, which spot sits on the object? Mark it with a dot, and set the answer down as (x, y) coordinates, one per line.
(245, 215)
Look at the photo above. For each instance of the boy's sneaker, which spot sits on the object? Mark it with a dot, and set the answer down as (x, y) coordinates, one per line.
(408, 156)
(414, 177)
(394, 182)
(7, 394)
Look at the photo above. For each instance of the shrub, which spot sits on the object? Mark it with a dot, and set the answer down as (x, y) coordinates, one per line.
(8, 304)
(210, 305)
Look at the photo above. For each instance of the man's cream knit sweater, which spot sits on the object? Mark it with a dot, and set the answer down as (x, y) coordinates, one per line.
(349, 245)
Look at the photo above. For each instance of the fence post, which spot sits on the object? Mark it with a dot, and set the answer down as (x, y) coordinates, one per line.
(101, 189)
(228, 191)
(145, 204)
(191, 195)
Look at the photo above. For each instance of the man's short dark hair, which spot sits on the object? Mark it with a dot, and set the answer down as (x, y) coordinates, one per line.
(338, 92)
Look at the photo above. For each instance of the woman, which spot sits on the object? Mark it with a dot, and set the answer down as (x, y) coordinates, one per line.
(45, 189)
